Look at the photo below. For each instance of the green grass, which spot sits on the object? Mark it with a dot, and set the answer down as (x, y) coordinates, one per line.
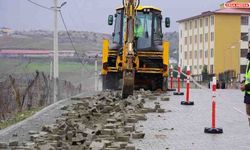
(64, 67)
(19, 117)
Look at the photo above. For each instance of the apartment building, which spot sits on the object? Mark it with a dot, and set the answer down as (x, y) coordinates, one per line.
(215, 39)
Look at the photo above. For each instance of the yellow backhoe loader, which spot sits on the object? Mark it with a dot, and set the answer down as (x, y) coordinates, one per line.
(137, 57)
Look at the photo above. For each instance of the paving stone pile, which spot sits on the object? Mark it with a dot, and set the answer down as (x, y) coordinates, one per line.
(102, 122)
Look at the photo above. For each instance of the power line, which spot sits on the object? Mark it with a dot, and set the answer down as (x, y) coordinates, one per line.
(42, 6)
(65, 26)
(71, 41)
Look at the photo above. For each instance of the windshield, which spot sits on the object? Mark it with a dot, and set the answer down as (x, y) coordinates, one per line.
(143, 29)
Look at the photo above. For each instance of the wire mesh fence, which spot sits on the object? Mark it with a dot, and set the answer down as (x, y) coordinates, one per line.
(18, 93)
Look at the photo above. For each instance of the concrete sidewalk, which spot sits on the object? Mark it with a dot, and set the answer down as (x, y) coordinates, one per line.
(46, 116)
(183, 128)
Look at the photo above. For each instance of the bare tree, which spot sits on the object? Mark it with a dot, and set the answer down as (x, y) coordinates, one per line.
(26, 91)
(16, 92)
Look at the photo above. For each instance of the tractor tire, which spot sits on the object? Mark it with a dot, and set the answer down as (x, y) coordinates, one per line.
(110, 81)
(158, 83)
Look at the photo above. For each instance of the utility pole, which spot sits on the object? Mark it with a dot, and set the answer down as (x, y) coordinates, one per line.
(56, 72)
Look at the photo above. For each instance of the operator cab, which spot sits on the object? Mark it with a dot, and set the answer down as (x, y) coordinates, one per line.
(150, 21)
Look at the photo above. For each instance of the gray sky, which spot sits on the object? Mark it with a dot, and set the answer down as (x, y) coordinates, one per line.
(91, 15)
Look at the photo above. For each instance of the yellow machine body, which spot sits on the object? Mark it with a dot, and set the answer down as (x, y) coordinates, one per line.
(150, 65)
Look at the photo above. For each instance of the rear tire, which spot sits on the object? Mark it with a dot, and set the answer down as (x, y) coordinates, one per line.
(158, 83)
(110, 81)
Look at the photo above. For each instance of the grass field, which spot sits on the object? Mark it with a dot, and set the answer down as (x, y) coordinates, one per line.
(63, 67)
(70, 71)
(15, 66)
(19, 117)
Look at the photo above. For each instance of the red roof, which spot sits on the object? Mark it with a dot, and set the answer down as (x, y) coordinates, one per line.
(24, 51)
(33, 52)
(219, 11)
(233, 11)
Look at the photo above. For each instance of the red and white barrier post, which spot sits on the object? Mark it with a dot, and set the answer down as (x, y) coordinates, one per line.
(171, 70)
(188, 102)
(179, 82)
(213, 129)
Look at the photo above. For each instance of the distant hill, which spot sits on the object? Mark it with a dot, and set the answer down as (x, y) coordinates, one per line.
(173, 38)
(83, 41)
(39, 39)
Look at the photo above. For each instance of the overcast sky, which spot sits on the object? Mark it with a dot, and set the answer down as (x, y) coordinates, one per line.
(91, 15)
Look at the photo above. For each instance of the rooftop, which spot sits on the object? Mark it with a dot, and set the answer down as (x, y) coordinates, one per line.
(140, 8)
(219, 11)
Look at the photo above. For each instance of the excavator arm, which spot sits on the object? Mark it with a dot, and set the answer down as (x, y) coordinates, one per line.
(130, 7)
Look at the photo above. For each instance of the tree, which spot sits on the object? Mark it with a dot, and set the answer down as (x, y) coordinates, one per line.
(204, 73)
(204, 70)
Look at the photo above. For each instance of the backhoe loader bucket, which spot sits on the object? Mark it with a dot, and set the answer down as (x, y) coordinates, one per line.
(128, 83)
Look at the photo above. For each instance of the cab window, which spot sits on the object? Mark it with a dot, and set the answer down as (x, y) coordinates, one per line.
(117, 32)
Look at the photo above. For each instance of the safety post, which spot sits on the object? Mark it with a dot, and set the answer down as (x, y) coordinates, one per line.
(188, 102)
(171, 70)
(179, 82)
(213, 129)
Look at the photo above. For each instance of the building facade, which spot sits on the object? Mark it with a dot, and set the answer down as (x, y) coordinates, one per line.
(216, 40)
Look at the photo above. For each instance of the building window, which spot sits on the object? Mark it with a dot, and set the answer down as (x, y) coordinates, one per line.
(244, 20)
(190, 39)
(195, 54)
(206, 21)
(212, 20)
(212, 36)
(195, 67)
(206, 54)
(190, 25)
(201, 22)
(201, 38)
(243, 69)
(185, 40)
(181, 48)
(244, 36)
(211, 69)
(195, 24)
(206, 37)
(201, 53)
(212, 52)
(181, 33)
(185, 25)
(195, 39)
(200, 66)
(243, 53)
(190, 54)
(185, 56)
(181, 62)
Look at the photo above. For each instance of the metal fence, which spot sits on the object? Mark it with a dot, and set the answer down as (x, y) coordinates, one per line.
(18, 93)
